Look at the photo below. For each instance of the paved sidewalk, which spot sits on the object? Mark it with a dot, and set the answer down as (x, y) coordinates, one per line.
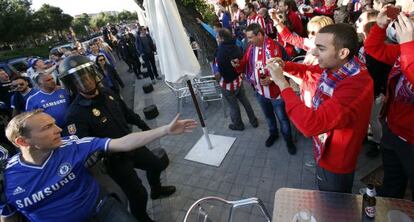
(249, 170)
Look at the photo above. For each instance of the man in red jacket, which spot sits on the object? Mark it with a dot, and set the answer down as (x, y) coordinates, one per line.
(341, 107)
(398, 133)
(253, 63)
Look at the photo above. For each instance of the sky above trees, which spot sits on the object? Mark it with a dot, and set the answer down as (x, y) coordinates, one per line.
(76, 7)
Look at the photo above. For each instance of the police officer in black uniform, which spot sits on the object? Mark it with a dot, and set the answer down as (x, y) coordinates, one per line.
(99, 112)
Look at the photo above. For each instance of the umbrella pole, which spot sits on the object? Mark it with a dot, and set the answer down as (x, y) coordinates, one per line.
(200, 115)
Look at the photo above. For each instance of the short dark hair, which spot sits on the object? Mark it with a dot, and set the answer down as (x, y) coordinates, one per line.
(250, 6)
(141, 28)
(255, 28)
(291, 4)
(344, 36)
(225, 34)
(234, 5)
(20, 77)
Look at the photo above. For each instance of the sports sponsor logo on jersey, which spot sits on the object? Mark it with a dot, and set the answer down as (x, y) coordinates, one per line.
(18, 190)
(33, 198)
(64, 169)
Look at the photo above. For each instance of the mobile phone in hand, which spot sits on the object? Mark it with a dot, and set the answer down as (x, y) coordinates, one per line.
(392, 12)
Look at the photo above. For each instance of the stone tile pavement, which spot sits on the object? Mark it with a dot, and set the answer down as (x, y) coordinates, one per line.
(249, 170)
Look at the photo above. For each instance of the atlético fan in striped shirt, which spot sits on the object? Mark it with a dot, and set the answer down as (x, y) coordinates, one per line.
(231, 82)
(253, 64)
(253, 16)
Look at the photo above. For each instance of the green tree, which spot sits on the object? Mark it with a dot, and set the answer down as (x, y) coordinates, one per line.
(14, 19)
(53, 18)
(80, 23)
(101, 20)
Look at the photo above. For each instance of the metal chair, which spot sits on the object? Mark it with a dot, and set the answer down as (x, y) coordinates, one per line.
(202, 215)
(208, 90)
(181, 91)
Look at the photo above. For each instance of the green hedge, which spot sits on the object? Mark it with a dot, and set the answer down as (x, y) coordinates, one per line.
(39, 51)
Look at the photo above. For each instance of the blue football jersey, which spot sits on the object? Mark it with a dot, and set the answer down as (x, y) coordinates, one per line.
(54, 104)
(15, 103)
(59, 190)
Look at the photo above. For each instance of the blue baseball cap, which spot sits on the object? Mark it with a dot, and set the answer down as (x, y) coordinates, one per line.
(32, 62)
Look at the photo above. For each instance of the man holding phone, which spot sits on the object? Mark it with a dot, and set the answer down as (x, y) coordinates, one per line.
(397, 142)
(338, 119)
(262, 49)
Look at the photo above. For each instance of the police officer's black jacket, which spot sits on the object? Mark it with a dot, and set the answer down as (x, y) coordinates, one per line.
(105, 115)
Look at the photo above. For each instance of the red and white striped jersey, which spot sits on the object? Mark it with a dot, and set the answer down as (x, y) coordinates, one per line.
(357, 6)
(256, 18)
(231, 86)
(261, 55)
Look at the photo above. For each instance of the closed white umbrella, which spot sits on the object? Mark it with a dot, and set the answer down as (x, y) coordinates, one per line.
(177, 59)
(178, 63)
(142, 18)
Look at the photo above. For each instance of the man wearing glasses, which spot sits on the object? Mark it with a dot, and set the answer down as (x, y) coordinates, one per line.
(22, 91)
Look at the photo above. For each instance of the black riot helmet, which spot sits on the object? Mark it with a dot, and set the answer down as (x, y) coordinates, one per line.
(78, 74)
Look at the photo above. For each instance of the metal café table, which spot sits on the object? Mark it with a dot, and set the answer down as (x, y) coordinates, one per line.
(334, 207)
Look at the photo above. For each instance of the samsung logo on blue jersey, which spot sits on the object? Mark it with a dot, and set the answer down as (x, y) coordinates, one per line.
(54, 103)
(40, 195)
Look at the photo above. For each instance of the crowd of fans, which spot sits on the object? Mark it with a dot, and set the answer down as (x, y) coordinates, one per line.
(340, 71)
(351, 65)
(78, 93)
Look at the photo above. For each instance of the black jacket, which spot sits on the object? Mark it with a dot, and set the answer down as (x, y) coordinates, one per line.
(127, 48)
(379, 73)
(106, 115)
(226, 52)
(140, 45)
(114, 76)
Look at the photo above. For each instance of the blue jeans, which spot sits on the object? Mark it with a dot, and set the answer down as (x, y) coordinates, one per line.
(270, 107)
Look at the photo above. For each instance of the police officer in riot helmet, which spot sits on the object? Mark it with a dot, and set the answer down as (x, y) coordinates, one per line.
(98, 112)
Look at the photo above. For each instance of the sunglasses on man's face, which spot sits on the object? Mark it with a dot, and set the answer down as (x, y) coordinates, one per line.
(101, 60)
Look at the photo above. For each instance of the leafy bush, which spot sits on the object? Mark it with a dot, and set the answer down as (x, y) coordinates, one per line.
(39, 51)
(205, 9)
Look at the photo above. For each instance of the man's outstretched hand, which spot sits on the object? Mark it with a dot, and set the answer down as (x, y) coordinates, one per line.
(404, 28)
(180, 126)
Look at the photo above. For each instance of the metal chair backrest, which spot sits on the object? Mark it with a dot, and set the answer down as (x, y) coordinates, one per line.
(208, 88)
(180, 89)
(202, 215)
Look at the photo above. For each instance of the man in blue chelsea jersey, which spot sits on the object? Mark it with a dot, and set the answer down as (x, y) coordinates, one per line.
(51, 98)
(48, 181)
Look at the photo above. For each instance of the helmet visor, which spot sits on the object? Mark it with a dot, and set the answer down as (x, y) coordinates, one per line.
(85, 80)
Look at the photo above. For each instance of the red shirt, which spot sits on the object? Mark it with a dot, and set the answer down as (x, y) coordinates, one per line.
(307, 87)
(256, 18)
(345, 115)
(257, 64)
(297, 25)
(400, 114)
(327, 10)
